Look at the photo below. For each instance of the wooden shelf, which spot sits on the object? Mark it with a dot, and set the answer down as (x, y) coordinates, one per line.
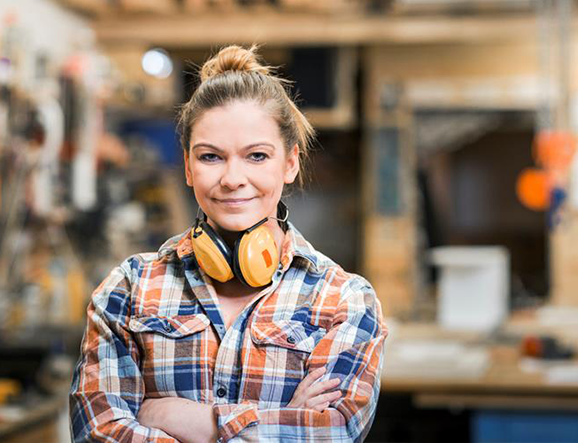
(284, 29)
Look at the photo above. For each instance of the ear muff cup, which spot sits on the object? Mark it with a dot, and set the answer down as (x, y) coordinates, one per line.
(254, 260)
(256, 257)
(212, 253)
(218, 241)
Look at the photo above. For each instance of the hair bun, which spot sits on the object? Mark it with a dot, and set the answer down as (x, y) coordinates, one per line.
(233, 58)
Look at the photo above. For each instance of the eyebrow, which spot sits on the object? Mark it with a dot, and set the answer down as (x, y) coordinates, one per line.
(252, 145)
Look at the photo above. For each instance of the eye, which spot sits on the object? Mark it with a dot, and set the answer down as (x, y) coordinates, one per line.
(209, 158)
(258, 156)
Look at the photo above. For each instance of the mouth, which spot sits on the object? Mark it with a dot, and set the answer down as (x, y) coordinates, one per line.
(233, 201)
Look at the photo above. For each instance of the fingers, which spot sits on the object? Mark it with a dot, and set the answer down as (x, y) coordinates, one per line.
(304, 385)
(313, 394)
(321, 407)
(322, 386)
(311, 377)
(322, 400)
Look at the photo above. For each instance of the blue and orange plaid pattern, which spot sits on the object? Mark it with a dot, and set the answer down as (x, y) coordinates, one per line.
(154, 329)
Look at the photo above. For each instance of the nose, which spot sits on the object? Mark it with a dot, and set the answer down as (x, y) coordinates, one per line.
(233, 175)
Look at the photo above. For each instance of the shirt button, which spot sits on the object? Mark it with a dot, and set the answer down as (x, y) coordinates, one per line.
(221, 392)
(168, 327)
(291, 340)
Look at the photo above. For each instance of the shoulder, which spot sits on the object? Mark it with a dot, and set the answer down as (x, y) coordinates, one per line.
(355, 307)
(319, 266)
(332, 288)
(118, 291)
(352, 288)
(146, 265)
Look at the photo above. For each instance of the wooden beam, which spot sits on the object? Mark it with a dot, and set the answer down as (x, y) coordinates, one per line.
(463, 401)
(488, 75)
(90, 7)
(210, 28)
(201, 6)
(461, 6)
(564, 261)
(284, 6)
(150, 6)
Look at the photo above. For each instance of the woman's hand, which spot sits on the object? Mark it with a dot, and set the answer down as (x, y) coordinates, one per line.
(183, 419)
(311, 395)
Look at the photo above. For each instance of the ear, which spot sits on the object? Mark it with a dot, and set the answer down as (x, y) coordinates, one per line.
(188, 172)
(292, 165)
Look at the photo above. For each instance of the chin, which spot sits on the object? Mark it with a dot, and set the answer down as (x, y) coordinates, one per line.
(235, 223)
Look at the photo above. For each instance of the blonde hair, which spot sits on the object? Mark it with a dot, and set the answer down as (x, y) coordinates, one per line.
(236, 73)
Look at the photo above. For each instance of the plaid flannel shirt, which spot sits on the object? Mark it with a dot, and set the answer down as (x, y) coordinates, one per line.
(154, 329)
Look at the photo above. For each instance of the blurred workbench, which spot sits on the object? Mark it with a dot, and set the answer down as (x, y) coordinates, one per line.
(496, 377)
(32, 423)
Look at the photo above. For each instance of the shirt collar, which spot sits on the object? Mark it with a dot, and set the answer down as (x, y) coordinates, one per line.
(294, 245)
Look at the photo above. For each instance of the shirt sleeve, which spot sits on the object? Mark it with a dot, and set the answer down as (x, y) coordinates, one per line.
(351, 351)
(107, 387)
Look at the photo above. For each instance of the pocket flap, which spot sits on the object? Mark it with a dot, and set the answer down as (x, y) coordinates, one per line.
(288, 334)
(175, 327)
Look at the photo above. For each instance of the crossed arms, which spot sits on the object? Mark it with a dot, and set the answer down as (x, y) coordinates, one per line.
(108, 401)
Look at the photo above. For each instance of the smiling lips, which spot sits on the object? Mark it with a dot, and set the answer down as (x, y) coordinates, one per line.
(234, 201)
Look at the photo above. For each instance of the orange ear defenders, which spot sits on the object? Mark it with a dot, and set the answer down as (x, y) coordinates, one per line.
(255, 256)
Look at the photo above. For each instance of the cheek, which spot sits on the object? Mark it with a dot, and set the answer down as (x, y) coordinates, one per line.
(272, 179)
(202, 179)
(270, 184)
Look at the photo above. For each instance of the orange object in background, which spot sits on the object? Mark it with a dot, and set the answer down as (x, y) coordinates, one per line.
(533, 189)
(9, 388)
(532, 347)
(546, 347)
(554, 150)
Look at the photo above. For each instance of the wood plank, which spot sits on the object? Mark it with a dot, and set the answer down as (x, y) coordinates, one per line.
(388, 191)
(149, 6)
(90, 7)
(43, 431)
(524, 402)
(36, 421)
(285, 6)
(455, 61)
(461, 6)
(275, 28)
(564, 261)
(503, 378)
(202, 6)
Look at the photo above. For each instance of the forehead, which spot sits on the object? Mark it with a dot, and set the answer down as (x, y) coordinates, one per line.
(239, 122)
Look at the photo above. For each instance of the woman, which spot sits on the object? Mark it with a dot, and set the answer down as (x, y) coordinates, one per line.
(236, 329)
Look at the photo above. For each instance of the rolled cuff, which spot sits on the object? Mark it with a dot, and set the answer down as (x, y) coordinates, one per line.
(233, 418)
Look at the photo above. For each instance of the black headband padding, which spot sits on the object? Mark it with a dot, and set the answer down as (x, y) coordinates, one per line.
(219, 242)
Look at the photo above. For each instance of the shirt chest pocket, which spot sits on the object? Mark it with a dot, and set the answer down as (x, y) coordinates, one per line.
(287, 334)
(172, 327)
(281, 352)
(171, 349)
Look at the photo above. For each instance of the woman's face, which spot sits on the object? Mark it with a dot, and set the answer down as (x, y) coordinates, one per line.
(237, 165)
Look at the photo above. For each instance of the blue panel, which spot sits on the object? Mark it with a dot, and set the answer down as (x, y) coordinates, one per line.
(387, 154)
(161, 134)
(524, 427)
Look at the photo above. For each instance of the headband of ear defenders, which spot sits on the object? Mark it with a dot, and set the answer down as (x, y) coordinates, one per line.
(254, 259)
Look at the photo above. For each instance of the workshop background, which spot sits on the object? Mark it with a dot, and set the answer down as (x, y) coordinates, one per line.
(444, 172)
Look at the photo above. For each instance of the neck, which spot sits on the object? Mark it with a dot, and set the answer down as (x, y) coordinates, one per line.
(230, 237)
(278, 233)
